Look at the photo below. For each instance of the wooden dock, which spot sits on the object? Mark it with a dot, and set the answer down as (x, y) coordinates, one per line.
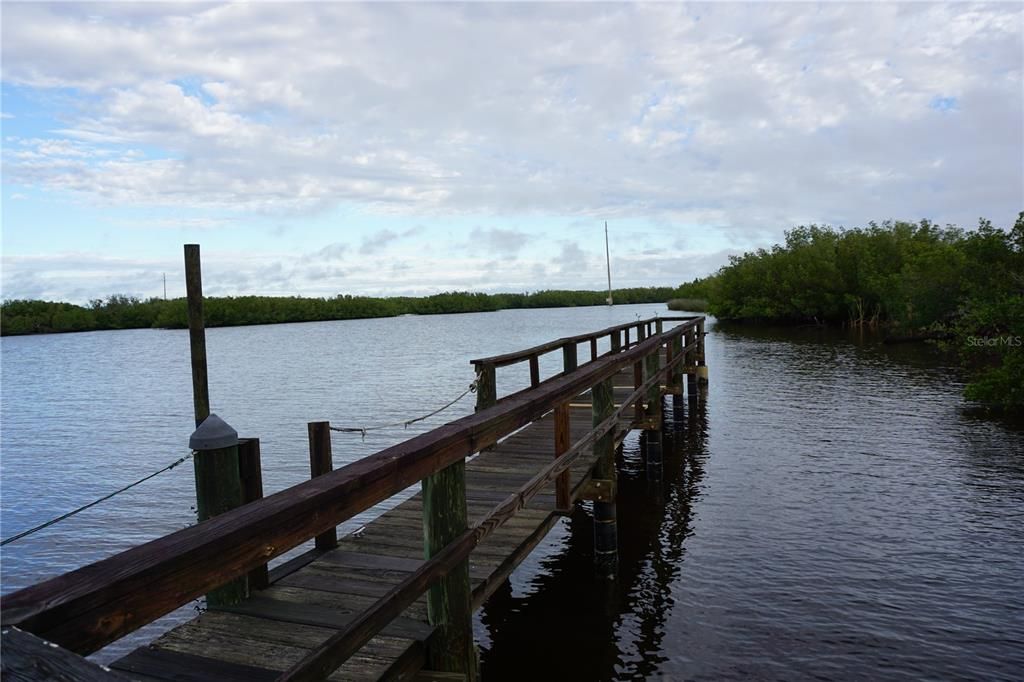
(386, 601)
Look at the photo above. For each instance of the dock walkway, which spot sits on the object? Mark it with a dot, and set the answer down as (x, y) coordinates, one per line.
(327, 593)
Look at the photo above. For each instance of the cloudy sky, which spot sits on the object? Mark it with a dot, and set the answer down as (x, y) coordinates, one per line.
(411, 148)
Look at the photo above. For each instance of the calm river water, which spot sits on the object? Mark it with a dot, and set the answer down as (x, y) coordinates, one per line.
(832, 512)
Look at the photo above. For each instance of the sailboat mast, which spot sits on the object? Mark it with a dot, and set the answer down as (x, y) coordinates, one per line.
(608, 260)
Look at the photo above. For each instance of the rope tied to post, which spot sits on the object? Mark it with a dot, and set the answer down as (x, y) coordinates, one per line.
(363, 430)
(62, 517)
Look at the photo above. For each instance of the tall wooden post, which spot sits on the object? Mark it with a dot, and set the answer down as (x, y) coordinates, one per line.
(616, 340)
(606, 542)
(449, 605)
(321, 462)
(218, 489)
(250, 471)
(197, 332)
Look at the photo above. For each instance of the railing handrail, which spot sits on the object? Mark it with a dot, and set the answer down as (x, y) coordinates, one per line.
(87, 608)
(521, 355)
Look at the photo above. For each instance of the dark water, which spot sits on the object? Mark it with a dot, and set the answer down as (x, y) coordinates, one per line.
(832, 512)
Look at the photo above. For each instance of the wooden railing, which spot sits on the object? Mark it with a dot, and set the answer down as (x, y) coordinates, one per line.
(85, 609)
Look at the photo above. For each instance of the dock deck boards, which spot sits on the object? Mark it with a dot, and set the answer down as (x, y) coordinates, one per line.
(275, 627)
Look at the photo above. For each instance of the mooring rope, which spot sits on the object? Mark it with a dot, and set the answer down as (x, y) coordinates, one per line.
(362, 430)
(60, 518)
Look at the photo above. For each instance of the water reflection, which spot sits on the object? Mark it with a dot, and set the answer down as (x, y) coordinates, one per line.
(576, 625)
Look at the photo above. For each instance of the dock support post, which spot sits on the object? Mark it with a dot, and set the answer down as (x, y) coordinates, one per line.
(691, 368)
(651, 446)
(652, 366)
(250, 470)
(615, 338)
(321, 462)
(563, 436)
(449, 602)
(702, 367)
(606, 543)
(218, 489)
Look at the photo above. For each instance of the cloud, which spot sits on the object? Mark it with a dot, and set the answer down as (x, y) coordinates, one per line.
(611, 109)
(726, 122)
(381, 239)
(499, 241)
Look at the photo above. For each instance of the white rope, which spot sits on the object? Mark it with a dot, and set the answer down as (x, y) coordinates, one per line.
(58, 519)
(363, 430)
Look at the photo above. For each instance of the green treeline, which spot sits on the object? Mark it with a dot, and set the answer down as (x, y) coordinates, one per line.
(127, 312)
(913, 280)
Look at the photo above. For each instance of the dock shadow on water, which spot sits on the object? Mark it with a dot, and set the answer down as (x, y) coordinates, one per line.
(557, 619)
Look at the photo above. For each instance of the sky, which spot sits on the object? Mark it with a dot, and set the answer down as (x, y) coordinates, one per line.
(327, 148)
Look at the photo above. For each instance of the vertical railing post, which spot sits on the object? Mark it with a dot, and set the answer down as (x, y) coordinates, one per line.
(534, 370)
(449, 605)
(593, 348)
(606, 542)
(250, 470)
(615, 339)
(659, 326)
(569, 359)
(218, 489)
(321, 462)
(486, 388)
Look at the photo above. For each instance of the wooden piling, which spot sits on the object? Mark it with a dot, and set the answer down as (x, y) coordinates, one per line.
(321, 462)
(250, 470)
(652, 366)
(197, 333)
(702, 368)
(606, 557)
(563, 499)
(218, 489)
(449, 606)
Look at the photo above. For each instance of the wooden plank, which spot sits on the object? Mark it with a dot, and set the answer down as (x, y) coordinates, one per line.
(263, 606)
(164, 664)
(27, 658)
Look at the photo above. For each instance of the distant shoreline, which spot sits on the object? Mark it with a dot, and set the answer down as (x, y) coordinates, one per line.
(24, 317)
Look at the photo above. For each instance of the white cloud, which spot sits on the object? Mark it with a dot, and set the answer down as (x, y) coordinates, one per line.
(740, 119)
